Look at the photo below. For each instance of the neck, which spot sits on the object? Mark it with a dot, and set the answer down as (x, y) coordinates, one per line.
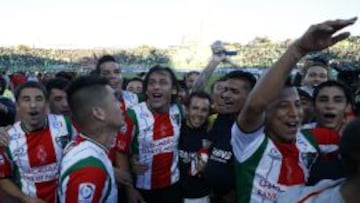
(277, 138)
(118, 93)
(104, 137)
(163, 109)
(350, 190)
(30, 128)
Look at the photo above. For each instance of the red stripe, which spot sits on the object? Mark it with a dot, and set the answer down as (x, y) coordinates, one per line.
(161, 170)
(41, 152)
(5, 167)
(40, 148)
(325, 136)
(161, 164)
(46, 190)
(162, 126)
(90, 175)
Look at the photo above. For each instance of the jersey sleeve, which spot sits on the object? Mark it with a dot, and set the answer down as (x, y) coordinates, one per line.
(245, 144)
(5, 167)
(85, 185)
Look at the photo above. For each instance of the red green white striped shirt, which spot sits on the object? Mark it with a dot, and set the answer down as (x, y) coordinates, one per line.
(86, 173)
(34, 157)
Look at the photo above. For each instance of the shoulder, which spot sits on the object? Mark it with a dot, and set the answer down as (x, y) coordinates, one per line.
(15, 132)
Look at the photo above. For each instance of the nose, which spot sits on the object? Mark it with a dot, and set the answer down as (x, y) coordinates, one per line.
(294, 110)
(64, 103)
(32, 104)
(225, 94)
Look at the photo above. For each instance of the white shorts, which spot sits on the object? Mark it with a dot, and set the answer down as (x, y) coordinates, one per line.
(205, 199)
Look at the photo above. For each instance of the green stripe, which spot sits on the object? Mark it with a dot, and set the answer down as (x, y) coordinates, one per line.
(134, 142)
(310, 137)
(69, 126)
(83, 163)
(245, 173)
(15, 168)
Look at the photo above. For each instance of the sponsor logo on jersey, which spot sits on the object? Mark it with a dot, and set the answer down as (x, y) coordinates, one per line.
(2, 159)
(61, 141)
(308, 158)
(86, 192)
(41, 154)
(275, 154)
(220, 155)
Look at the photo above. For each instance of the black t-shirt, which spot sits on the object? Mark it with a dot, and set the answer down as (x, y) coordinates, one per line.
(219, 171)
(190, 144)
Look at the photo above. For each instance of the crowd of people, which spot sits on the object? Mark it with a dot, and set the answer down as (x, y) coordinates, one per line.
(157, 139)
(257, 53)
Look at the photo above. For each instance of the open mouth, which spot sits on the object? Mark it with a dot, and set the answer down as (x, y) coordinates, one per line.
(293, 124)
(34, 113)
(329, 115)
(157, 96)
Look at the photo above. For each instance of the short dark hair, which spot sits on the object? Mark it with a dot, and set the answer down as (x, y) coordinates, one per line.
(350, 147)
(159, 68)
(128, 81)
(57, 83)
(199, 94)
(309, 63)
(135, 79)
(83, 93)
(30, 84)
(222, 79)
(191, 73)
(241, 75)
(333, 83)
(104, 59)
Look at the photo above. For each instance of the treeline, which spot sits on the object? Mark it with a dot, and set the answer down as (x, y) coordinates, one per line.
(261, 52)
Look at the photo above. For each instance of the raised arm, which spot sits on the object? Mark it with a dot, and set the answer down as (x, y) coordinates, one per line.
(217, 57)
(316, 38)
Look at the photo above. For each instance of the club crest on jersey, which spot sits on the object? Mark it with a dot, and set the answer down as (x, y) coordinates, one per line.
(274, 154)
(41, 154)
(61, 141)
(86, 192)
(2, 159)
(176, 118)
(308, 158)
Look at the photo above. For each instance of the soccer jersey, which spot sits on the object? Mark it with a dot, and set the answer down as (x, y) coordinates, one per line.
(129, 99)
(191, 147)
(86, 173)
(326, 191)
(329, 164)
(34, 157)
(266, 169)
(155, 141)
(219, 171)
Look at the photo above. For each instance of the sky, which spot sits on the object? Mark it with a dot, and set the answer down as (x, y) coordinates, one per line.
(161, 23)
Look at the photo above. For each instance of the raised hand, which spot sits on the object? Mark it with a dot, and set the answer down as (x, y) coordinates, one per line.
(321, 36)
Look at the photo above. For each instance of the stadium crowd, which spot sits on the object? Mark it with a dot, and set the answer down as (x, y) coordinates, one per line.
(157, 139)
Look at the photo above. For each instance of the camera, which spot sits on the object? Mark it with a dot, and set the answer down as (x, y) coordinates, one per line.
(227, 53)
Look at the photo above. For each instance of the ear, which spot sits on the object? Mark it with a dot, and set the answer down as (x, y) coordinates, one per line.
(98, 113)
(174, 91)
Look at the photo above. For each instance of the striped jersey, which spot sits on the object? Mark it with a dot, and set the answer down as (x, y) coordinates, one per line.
(34, 157)
(265, 169)
(155, 141)
(86, 173)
